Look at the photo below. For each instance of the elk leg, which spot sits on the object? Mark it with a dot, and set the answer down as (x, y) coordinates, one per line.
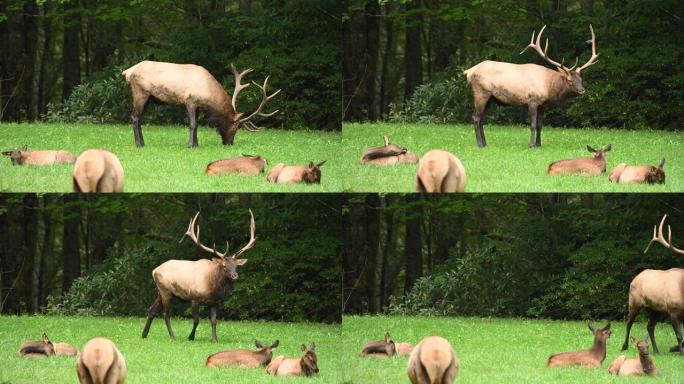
(630, 321)
(151, 313)
(195, 319)
(140, 102)
(192, 114)
(166, 303)
(539, 127)
(677, 326)
(213, 310)
(533, 112)
(650, 327)
(481, 102)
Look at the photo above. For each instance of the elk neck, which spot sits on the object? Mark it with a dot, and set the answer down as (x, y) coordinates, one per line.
(646, 363)
(221, 285)
(560, 92)
(599, 349)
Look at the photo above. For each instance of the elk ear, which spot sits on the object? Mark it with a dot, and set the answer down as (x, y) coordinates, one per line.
(590, 149)
(238, 116)
(303, 347)
(24, 148)
(591, 326)
(258, 344)
(608, 148)
(387, 337)
(240, 261)
(7, 153)
(633, 339)
(607, 327)
(45, 338)
(662, 163)
(386, 140)
(275, 344)
(312, 347)
(321, 163)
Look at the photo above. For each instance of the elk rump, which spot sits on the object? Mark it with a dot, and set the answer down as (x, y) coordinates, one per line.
(97, 170)
(440, 171)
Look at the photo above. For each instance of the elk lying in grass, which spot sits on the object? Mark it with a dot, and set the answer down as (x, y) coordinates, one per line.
(433, 361)
(295, 174)
(589, 166)
(404, 349)
(590, 358)
(440, 171)
(661, 293)
(247, 164)
(526, 85)
(633, 174)
(388, 154)
(97, 170)
(380, 348)
(37, 348)
(101, 362)
(24, 156)
(307, 365)
(199, 282)
(196, 89)
(644, 365)
(64, 349)
(243, 357)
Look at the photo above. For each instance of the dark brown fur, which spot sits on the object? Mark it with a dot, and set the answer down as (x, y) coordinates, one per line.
(37, 348)
(243, 357)
(247, 164)
(307, 365)
(308, 174)
(387, 150)
(589, 358)
(384, 347)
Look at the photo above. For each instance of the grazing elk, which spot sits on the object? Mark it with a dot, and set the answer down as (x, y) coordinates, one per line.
(97, 170)
(660, 292)
(589, 358)
(632, 174)
(64, 349)
(404, 349)
(440, 171)
(24, 156)
(37, 348)
(243, 357)
(196, 89)
(589, 166)
(644, 365)
(384, 348)
(307, 365)
(199, 282)
(295, 174)
(388, 154)
(101, 362)
(525, 85)
(433, 361)
(247, 164)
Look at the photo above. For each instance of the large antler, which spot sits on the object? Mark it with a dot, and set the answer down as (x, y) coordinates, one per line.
(658, 237)
(194, 236)
(238, 86)
(252, 239)
(594, 55)
(264, 99)
(536, 45)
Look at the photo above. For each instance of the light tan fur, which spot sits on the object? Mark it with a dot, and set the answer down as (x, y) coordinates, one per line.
(64, 349)
(440, 171)
(433, 361)
(305, 366)
(588, 358)
(186, 280)
(101, 363)
(404, 349)
(635, 174)
(643, 365)
(248, 165)
(42, 157)
(243, 358)
(295, 174)
(98, 170)
(588, 166)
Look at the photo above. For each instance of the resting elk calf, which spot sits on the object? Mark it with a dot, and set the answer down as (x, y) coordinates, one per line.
(634, 174)
(196, 89)
(37, 348)
(295, 174)
(382, 348)
(243, 357)
(526, 85)
(307, 365)
(589, 166)
(97, 170)
(247, 165)
(433, 361)
(199, 282)
(101, 362)
(644, 365)
(388, 154)
(590, 358)
(661, 293)
(440, 171)
(404, 349)
(24, 156)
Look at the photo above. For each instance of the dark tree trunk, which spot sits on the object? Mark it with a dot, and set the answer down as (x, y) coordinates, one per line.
(29, 250)
(371, 59)
(414, 52)
(387, 63)
(352, 75)
(10, 263)
(71, 244)
(370, 250)
(30, 16)
(414, 243)
(71, 70)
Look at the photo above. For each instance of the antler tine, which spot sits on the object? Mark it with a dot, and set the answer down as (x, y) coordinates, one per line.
(594, 56)
(661, 239)
(265, 97)
(252, 239)
(238, 86)
(574, 66)
(536, 45)
(194, 236)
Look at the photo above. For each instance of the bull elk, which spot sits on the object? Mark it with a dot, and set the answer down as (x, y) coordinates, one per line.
(589, 166)
(388, 154)
(589, 358)
(440, 171)
(101, 362)
(644, 365)
(295, 174)
(660, 292)
(37, 348)
(24, 156)
(193, 87)
(383, 348)
(97, 170)
(526, 85)
(247, 165)
(633, 174)
(307, 365)
(199, 282)
(243, 357)
(433, 361)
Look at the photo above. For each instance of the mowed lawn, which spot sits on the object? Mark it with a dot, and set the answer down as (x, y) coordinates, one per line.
(507, 164)
(159, 359)
(502, 350)
(165, 164)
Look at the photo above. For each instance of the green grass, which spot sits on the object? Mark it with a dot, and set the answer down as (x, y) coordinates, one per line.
(501, 350)
(165, 164)
(507, 164)
(159, 359)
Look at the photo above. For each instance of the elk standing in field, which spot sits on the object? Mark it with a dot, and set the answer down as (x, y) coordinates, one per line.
(196, 89)
(525, 85)
(589, 166)
(247, 164)
(433, 361)
(440, 171)
(644, 365)
(307, 365)
(97, 170)
(199, 282)
(37, 348)
(295, 174)
(590, 358)
(632, 174)
(23, 156)
(384, 348)
(388, 154)
(243, 357)
(101, 362)
(661, 293)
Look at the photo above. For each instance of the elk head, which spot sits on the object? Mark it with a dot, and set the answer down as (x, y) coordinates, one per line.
(599, 154)
(16, 156)
(570, 75)
(641, 345)
(600, 334)
(312, 173)
(658, 237)
(228, 264)
(309, 360)
(656, 175)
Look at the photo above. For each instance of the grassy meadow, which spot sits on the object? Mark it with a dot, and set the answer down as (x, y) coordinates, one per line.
(507, 164)
(158, 359)
(165, 164)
